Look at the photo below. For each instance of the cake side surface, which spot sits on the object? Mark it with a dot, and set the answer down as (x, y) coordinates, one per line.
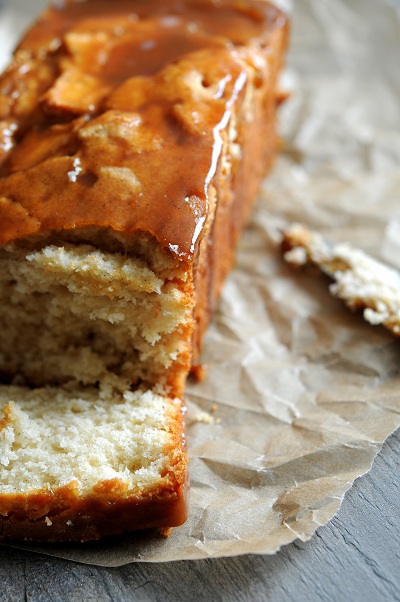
(250, 145)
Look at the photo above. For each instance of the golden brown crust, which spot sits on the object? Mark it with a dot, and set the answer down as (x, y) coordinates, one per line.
(63, 515)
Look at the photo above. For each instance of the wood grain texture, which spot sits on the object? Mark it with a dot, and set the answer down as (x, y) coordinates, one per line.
(355, 557)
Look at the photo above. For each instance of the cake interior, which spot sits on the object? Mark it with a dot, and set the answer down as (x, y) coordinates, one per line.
(72, 313)
(53, 437)
(93, 343)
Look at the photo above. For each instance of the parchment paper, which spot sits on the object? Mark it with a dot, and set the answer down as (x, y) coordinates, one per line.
(300, 393)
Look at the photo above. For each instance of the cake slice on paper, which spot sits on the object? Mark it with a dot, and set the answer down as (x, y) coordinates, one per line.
(362, 282)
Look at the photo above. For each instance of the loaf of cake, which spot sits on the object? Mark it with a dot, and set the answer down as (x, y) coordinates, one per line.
(134, 137)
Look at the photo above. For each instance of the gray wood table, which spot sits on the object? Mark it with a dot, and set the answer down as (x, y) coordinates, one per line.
(354, 558)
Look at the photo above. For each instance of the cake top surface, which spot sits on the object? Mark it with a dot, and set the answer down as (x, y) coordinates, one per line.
(111, 113)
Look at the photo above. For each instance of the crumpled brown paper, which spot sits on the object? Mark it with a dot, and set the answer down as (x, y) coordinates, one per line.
(300, 393)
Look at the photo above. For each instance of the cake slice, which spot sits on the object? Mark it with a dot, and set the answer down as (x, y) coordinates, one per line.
(362, 282)
(134, 138)
(76, 466)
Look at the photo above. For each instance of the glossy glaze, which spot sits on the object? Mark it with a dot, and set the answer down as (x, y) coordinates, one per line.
(112, 112)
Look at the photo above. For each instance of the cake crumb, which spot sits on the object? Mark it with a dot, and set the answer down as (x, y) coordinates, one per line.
(166, 531)
(296, 256)
(48, 521)
(204, 417)
(362, 282)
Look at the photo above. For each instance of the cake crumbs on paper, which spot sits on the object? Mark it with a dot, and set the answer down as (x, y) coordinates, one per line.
(205, 417)
(166, 531)
(362, 282)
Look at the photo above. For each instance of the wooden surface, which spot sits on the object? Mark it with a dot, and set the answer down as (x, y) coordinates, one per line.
(354, 558)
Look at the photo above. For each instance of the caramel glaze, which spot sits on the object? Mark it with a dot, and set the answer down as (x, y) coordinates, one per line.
(111, 115)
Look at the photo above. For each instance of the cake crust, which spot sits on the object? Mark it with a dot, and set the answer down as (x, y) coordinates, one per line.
(63, 515)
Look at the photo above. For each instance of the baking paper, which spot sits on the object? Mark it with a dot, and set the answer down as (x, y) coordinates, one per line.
(300, 393)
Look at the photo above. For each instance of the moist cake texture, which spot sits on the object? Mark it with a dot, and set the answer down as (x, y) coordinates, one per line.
(133, 139)
(361, 281)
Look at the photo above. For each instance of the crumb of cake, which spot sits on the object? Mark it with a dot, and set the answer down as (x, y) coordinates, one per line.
(362, 282)
(204, 417)
(296, 256)
(166, 532)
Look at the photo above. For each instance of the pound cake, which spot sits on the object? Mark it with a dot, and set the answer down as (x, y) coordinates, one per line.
(134, 137)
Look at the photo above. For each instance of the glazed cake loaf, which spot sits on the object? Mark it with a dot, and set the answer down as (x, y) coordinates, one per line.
(134, 136)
